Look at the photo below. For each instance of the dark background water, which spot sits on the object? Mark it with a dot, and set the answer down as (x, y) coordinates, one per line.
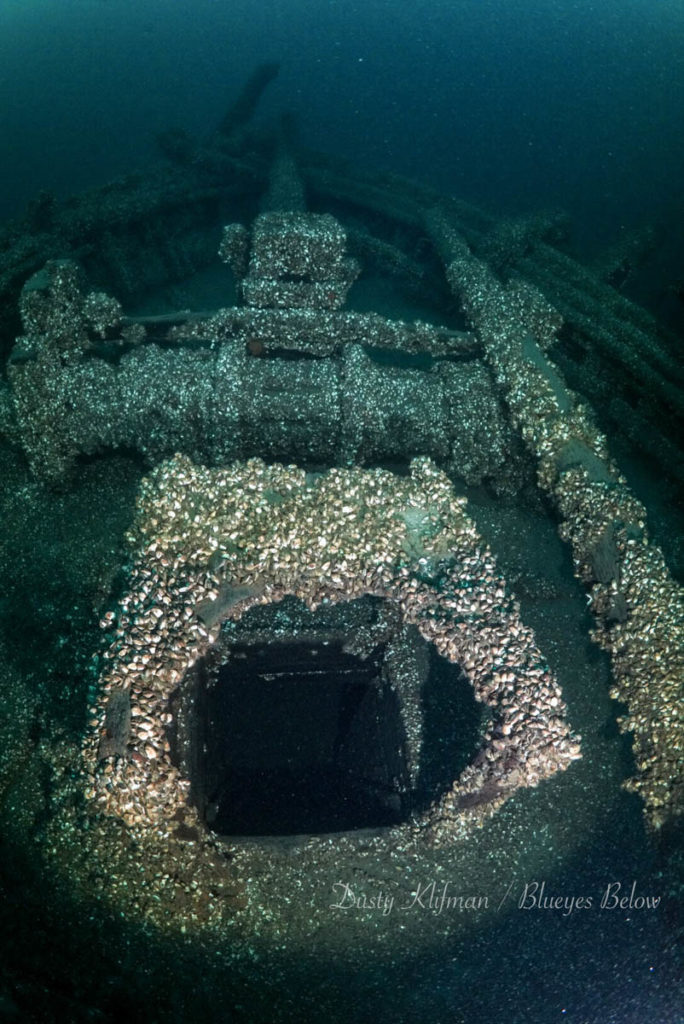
(513, 103)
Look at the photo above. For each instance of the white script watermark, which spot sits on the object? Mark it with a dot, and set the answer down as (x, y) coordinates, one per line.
(533, 896)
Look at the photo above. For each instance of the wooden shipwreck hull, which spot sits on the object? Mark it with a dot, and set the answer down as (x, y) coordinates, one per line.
(163, 225)
(483, 392)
